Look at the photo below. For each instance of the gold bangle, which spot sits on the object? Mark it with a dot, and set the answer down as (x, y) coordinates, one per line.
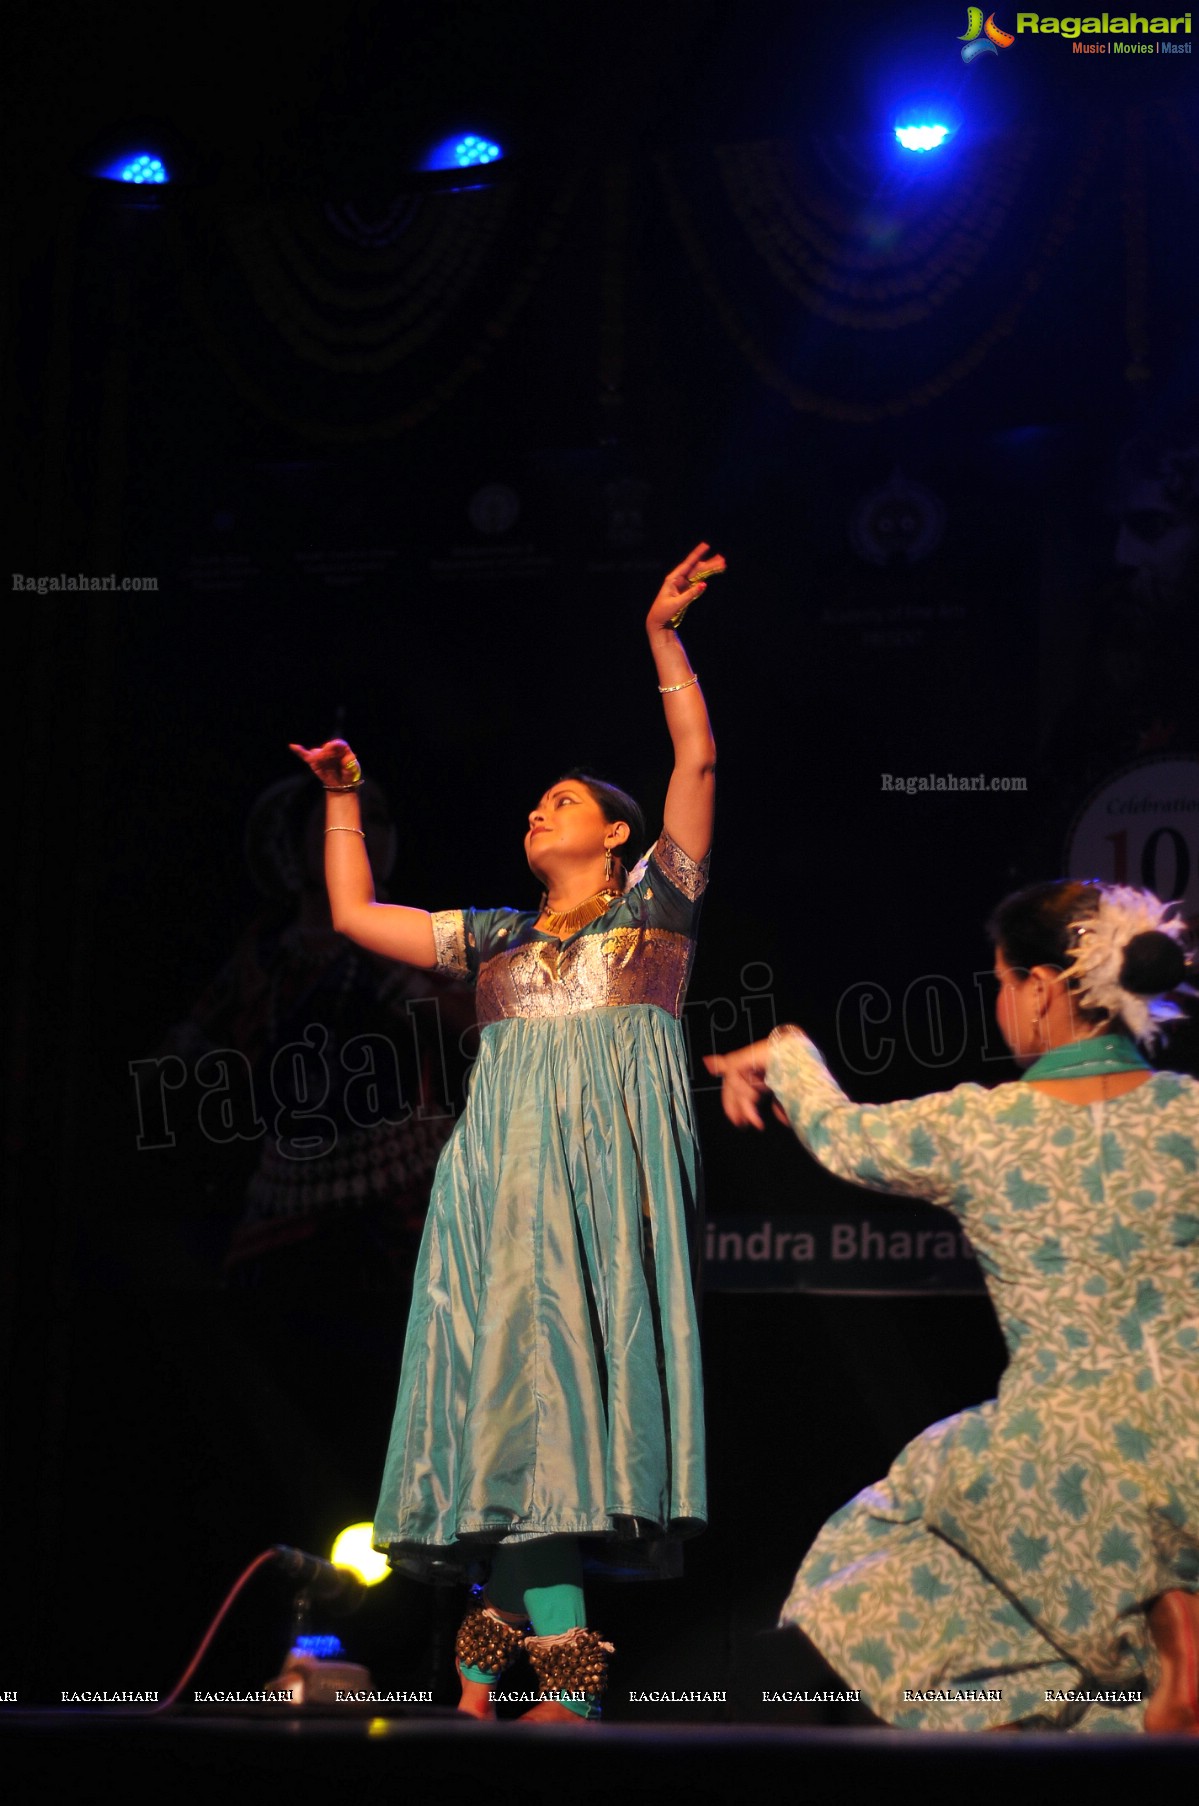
(669, 689)
(340, 830)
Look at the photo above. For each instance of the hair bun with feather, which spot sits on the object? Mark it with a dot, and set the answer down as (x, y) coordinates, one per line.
(1128, 922)
(1153, 964)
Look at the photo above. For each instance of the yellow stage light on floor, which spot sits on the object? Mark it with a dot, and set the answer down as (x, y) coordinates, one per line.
(352, 1549)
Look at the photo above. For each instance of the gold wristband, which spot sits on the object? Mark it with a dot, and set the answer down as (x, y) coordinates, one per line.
(669, 689)
(340, 830)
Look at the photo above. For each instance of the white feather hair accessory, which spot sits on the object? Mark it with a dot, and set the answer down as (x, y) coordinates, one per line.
(1101, 941)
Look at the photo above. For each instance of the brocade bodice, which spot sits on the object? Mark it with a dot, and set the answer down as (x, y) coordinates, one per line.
(638, 952)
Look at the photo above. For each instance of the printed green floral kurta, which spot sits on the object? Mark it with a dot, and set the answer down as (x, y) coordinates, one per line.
(1014, 1547)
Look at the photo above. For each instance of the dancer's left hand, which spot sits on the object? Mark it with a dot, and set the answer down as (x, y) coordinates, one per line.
(682, 586)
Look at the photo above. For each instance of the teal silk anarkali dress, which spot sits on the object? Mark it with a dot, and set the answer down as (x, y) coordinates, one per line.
(551, 1379)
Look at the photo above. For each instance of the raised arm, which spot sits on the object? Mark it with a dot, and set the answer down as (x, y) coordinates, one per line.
(691, 795)
(385, 928)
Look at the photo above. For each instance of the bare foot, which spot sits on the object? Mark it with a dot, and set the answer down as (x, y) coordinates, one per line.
(476, 1701)
(1174, 1625)
(552, 1711)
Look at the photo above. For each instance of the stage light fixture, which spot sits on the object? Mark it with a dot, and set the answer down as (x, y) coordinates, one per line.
(352, 1549)
(473, 149)
(465, 150)
(143, 168)
(922, 137)
(324, 1648)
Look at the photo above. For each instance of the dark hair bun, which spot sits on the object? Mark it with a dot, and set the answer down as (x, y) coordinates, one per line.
(1153, 963)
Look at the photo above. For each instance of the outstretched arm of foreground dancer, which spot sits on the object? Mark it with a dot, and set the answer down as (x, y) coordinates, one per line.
(912, 1147)
(691, 796)
(385, 928)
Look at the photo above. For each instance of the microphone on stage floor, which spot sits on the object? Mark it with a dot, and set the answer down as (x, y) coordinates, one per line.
(338, 1588)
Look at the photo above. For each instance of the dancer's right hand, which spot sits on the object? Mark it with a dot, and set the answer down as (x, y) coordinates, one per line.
(742, 1076)
(333, 763)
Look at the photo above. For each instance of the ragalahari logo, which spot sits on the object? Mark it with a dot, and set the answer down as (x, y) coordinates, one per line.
(983, 37)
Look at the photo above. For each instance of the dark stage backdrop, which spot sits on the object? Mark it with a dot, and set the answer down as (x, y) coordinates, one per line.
(409, 470)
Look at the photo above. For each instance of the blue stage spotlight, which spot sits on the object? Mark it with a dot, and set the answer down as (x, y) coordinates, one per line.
(321, 1648)
(473, 149)
(465, 150)
(144, 154)
(142, 167)
(922, 137)
(926, 121)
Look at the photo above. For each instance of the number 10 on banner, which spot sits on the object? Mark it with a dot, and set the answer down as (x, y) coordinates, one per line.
(1168, 876)
(1141, 827)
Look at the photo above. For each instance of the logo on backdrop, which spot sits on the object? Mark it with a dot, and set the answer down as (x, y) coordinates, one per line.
(983, 37)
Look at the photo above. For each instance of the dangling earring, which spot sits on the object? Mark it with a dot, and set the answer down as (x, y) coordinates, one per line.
(608, 864)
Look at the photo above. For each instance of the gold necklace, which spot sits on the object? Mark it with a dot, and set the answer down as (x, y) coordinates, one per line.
(563, 922)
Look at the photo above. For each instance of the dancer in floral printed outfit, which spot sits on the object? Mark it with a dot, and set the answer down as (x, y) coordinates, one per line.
(1033, 1561)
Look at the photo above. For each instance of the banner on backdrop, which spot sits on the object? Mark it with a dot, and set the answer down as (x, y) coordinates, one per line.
(871, 1249)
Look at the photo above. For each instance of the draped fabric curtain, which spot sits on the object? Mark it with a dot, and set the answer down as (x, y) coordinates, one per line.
(853, 292)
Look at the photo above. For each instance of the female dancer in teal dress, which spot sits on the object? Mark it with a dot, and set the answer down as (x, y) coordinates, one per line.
(551, 1384)
(1035, 1560)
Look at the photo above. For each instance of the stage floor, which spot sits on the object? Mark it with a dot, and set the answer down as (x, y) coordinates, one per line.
(436, 1756)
